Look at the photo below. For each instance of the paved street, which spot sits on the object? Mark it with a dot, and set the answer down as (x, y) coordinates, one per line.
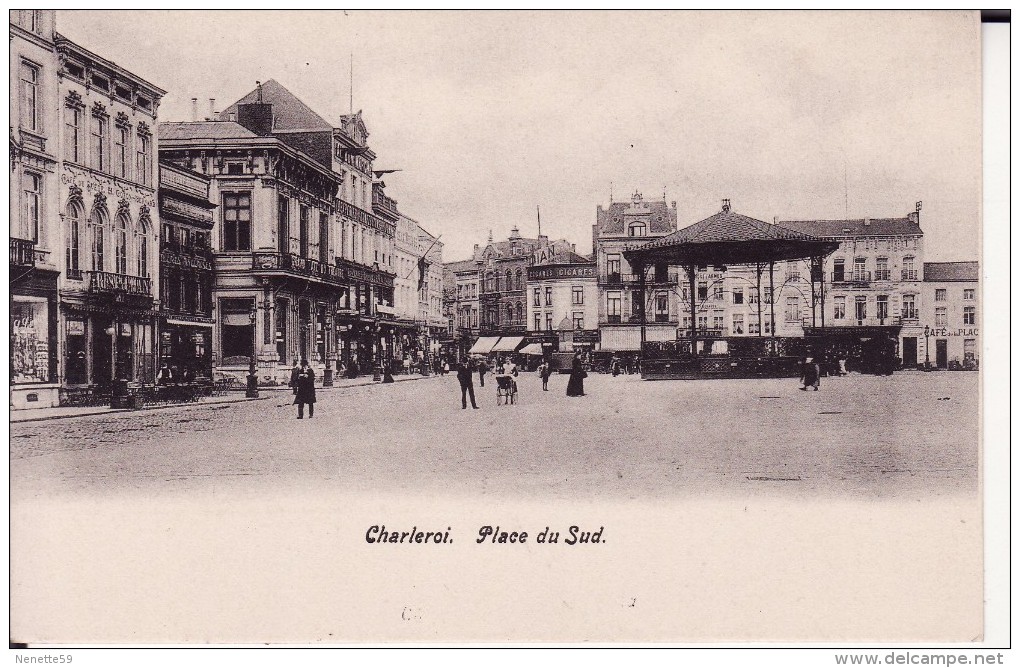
(912, 434)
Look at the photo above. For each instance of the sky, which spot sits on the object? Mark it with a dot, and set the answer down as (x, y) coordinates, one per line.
(491, 115)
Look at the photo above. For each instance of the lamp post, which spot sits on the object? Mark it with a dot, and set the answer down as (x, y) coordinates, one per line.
(252, 391)
(927, 360)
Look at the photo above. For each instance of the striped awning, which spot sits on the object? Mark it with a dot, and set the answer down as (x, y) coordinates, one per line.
(483, 345)
(508, 344)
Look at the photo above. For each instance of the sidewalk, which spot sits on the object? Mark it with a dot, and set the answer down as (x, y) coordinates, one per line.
(61, 412)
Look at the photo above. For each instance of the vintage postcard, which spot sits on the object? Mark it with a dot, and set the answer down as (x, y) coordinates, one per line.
(334, 327)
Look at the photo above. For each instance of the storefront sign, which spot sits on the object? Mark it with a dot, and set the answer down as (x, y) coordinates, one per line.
(125, 329)
(76, 328)
(586, 336)
(945, 331)
(577, 271)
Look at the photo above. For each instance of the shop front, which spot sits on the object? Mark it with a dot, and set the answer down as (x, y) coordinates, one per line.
(185, 349)
(33, 351)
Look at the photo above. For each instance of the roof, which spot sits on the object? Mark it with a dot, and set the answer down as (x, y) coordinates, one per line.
(461, 265)
(730, 238)
(951, 271)
(657, 215)
(204, 130)
(567, 257)
(856, 227)
(289, 113)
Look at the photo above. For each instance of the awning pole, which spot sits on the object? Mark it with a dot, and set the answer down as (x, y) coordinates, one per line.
(694, 311)
(641, 303)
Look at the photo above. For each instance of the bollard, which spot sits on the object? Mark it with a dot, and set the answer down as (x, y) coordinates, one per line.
(253, 387)
(376, 373)
(327, 377)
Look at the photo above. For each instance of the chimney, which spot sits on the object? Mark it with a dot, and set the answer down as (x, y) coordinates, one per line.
(914, 217)
(212, 108)
(726, 206)
(867, 222)
(256, 116)
(194, 109)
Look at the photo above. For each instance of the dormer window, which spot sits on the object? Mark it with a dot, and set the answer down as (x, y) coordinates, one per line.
(637, 230)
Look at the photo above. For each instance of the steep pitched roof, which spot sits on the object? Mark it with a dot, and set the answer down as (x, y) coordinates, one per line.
(461, 265)
(935, 272)
(656, 214)
(203, 130)
(857, 227)
(566, 257)
(289, 112)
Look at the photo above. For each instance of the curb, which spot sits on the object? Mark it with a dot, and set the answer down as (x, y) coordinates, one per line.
(268, 393)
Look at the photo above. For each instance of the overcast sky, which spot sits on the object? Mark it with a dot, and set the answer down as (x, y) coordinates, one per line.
(490, 114)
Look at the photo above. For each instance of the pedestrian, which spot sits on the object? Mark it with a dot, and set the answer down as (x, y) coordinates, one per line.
(809, 374)
(467, 386)
(407, 364)
(304, 391)
(294, 372)
(164, 377)
(482, 368)
(446, 367)
(545, 370)
(615, 363)
(575, 386)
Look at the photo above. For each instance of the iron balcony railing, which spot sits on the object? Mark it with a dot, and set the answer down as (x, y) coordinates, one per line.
(104, 282)
(652, 278)
(857, 322)
(851, 277)
(908, 275)
(22, 252)
(295, 264)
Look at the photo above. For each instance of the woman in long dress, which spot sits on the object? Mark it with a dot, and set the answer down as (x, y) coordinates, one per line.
(575, 386)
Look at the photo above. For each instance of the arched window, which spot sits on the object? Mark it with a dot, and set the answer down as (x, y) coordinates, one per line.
(509, 280)
(120, 245)
(520, 312)
(75, 218)
(637, 229)
(495, 281)
(509, 312)
(97, 239)
(142, 245)
(520, 283)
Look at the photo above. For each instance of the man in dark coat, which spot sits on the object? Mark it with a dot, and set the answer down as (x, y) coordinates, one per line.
(482, 368)
(575, 386)
(305, 390)
(467, 385)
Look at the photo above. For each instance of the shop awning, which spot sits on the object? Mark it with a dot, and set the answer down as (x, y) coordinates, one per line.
(508, 344)
(483, 345)
(531, 349)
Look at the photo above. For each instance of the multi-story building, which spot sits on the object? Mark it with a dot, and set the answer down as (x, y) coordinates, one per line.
(430, 296)
(301, 260)
(563, 301)
(110, 230)
(185, 272)
(621, 226)
(872, 283)
(949, 315)
(502, 277)
(405, 285)
(36, 239)
(463, 279)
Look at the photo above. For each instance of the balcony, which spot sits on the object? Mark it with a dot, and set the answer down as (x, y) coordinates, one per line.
(197, 257)
(22, 252)
(703, 332)
(851, 277)
(304, 267)
(668, 278)
(908, 275)
(893, 320)
(106, 283)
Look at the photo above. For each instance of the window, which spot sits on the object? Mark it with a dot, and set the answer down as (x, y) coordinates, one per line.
(882, 306)
(577, 295)
(520, 312)
(860, 307)
(702, 290)
(738, 295)
(509, 280)
(31, 203)
(767, 324)
(29, 19)
(738, 323)
(838, 270)
(303, 233)
(941, 320)
(792, 271)
(143, 168)
(792, 309)
(548, 322)
(908, 269)
(97, 239)
(72, 134)
(520, 280)
(718, 320)
(882, 269)
(538, 321)
(753, 328)
(30, 119)
(614, 305)
(99, 159)
(120, 153)
(509, 313)
(661, 305)
(613, 267)
(73, 250)
(909, 309)
(120, 246)
(717, 291)
(635, 300)
(940, 294)
(537, 297)
(236, 221)
(767, 296)
(702, 322)
(324, 238)
(637, 230)
(142, 245)
(578, 320)
(968, 294)
(969, 315)
(839, 308)
(969, 349)
(548, 296)
(753, 297)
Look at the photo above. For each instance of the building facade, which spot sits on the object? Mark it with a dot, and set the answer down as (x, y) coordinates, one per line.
(463, 278)
(563, 302)
(185, 273)
(950, 315)
(110, 223)
(621, 226)
(430, 295)
(36, 239)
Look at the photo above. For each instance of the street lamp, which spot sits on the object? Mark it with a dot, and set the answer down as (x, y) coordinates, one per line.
(252, 391)
(927, 360)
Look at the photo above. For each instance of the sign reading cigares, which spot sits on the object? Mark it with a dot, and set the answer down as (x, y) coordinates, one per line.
(544, 273)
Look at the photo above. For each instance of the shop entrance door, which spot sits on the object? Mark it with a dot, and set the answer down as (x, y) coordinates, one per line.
(102, 352)
(909, 352)
(942, 353)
